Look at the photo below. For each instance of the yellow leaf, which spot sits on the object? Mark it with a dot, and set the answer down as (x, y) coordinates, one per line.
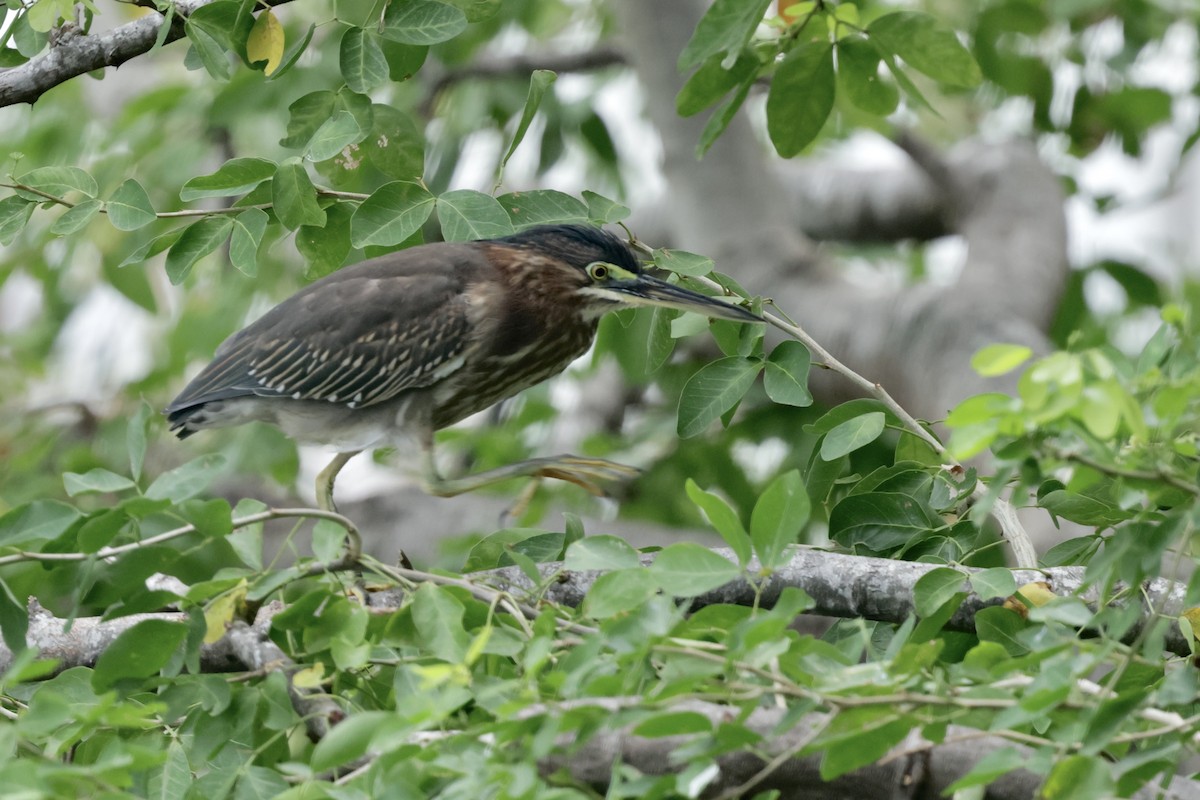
(265, 42)
(309, 677)
(1192, 615)
(221, 611)
(1037, 593)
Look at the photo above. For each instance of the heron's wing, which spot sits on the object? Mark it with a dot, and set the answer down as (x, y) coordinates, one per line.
(360, 340)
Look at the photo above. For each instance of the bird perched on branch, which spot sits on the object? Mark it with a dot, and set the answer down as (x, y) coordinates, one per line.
(411, 342)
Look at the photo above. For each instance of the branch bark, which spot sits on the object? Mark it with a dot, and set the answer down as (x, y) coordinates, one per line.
(74, 56)
(878, 589)
(914, 768)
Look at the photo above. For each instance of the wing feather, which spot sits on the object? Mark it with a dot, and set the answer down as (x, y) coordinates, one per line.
(363, 340)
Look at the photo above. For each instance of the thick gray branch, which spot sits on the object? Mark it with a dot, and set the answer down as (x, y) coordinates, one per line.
(76, 55)
(849, 586)
(913, 768)
(244, 647)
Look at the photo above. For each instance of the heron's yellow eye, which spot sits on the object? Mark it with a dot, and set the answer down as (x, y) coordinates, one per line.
(598, 270)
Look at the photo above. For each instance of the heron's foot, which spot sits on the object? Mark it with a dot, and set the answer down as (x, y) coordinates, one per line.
(595, 475)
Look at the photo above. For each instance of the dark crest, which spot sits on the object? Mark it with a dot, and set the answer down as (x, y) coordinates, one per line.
(577, 244)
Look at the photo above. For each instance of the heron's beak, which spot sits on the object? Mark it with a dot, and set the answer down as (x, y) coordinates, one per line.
(644, 290)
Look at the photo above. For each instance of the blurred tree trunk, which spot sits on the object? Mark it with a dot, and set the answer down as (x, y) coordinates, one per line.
(755, 214)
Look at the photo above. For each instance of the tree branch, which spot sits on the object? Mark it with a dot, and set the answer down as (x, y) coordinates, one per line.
(915, 767)
(78, 55)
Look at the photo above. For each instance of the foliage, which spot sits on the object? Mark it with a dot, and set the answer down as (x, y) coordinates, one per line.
(305, 139)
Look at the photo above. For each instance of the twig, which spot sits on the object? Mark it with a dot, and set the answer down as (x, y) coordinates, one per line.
(522, 65)
(353, 538)
(1024, 554)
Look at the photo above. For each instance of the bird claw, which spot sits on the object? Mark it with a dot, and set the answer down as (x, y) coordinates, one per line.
(590, 474)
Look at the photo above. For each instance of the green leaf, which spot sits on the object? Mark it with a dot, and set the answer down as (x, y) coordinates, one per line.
(935, 588)
(989, 768)
(224, 22)
(348, 740)
(394, 212)
(682, 262)
(198, 240)
(295, 198)
(786, 376)
(659, 342)
(36, 522)
(927, 46)
(801, 97)
(673, 723)
(135, 439)
(1140, 287)
(725, 28)
(603, 211)
(1084, 509)
(293, 53)
(852, 434)
(994, 582)
(361, 60)
(1109, 718)
(422, 22)
(99, 530)
(152, 247)
(259, 783)
(208, 50)
(307, 114)
(508, 546)
(881, 521)
(186, 481)
(212, 519)
(438, 617)
(139, 652)
(1078, 778)
(129, 208)
(997, 359)
(600, 552)
(14, 625)
(713, 390)
(76, 218)
(236, 176)
(95, 480)
(45, 14)
(713, 81)
(859, 736)
(248, 229)
(721, 118)
(394, 146)
(543, 207)
(686, 569)
(778, 517)
(58, 181)
(539, 81)
(723, 518)
(325, 248)
(859, 79)
(846, 411)
(466, 215)
(616, 592)
(340, 131)
(15, 212)
(1000, 625)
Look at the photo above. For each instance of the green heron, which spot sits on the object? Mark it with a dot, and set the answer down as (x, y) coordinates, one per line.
(409, 343)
